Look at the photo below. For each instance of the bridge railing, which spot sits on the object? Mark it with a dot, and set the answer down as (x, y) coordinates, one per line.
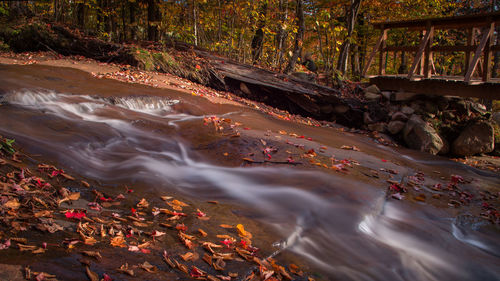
(483, 25)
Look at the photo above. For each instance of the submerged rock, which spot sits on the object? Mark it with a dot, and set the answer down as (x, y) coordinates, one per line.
(474, 139)
(421, 136)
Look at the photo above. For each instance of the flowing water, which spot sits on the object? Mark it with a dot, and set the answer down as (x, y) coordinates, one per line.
(341, 226)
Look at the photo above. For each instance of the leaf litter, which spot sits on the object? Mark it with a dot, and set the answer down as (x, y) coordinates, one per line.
(41, 199)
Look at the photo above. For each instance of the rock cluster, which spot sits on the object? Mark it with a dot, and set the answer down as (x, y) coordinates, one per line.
(434, 124)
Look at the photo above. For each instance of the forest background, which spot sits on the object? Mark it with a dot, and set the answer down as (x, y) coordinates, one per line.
(336, 35)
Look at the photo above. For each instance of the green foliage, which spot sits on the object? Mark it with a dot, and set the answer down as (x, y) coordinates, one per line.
(3, 11)
(6, 145)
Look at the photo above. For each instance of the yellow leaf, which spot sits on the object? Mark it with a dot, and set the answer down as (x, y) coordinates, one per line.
(12, 204)
(118, 241)
(74, 196)
(242, 231)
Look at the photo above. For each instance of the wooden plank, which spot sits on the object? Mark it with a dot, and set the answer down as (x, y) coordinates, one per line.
(487, 55)
(428, 52)
(382, 38)
(440, 87)
(421, 49)
(484, 40)
(443, 49)
(381, 61)
(481, 20)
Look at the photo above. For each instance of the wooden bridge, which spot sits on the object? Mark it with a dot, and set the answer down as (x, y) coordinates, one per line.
(476, 81)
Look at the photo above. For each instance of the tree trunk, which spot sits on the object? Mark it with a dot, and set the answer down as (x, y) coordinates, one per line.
(80, 15)
(297, 49)
(281, 33)
(258, 38)
(352, 14)
(153, 18)
(195, 23)
(132, 26)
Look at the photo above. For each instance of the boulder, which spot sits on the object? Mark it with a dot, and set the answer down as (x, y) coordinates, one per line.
(366, 118)
(379, 127)
(407, 110)
(399, 116)
(403, 96)
(387, 95)
(372, 96)
(421, 136)
(372, 89)
(395, 127)
(446, 147)
(474, 139)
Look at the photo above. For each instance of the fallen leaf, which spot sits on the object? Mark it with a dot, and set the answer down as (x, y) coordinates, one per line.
(124, 269)
(74, 196)
(143, 203)
(118, 241)
(12, 204)
(226, 226)
(91, 275)
(93, 254)
(202, 233)
(148, 267)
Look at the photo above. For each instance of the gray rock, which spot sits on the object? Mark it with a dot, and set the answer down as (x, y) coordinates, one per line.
(372, 96)
(446, 147)
(379, 127)
(366, 118)
(387, 95)
(395, 127)
(474, 139)
(244, 89)
(421, 136)
(340, 109)
(372, 89)
(407, 110)
(403, 96)
(448, 115)
(478, 108)
(399, 116)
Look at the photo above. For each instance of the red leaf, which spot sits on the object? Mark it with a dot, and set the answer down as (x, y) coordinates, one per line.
(75, 214)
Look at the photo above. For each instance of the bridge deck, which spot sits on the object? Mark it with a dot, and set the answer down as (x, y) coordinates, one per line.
(440, 85)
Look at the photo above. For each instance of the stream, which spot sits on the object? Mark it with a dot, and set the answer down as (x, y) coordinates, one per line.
(340, 226)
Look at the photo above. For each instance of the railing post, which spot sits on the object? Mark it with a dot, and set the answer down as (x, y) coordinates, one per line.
(428, 52)
(381, 39)
(418, 56)
(487, 34)
(381, 62)
(487, 55)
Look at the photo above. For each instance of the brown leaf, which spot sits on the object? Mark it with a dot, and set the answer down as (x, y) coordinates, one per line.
(44, 213)
(93, 254)
(86, 184)
(226, 226)
(12, 204)
(91, 275)
(26, 247)
(74, 196)
(207, 258)
(143, 203)
(124, 269)
(190, 256)
(67, 176)
(202, 233)
(148, 267)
